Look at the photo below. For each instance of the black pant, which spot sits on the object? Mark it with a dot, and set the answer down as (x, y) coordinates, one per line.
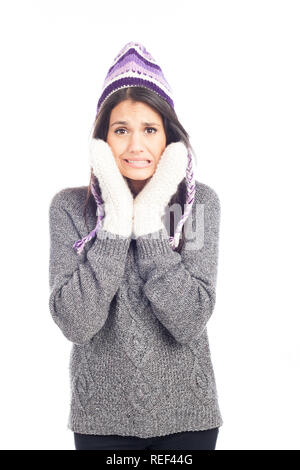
(190, 440)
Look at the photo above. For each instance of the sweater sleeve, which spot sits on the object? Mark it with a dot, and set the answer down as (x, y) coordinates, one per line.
(81, 286)
(181, 287)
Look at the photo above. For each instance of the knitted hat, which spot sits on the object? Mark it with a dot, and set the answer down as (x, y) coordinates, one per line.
(134, 66)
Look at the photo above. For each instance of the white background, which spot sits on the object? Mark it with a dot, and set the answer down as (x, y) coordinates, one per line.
(234, 70)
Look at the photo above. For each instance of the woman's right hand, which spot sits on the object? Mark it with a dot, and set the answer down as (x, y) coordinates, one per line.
(117, 197)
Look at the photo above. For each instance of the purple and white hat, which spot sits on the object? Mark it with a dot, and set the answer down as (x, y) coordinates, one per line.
(134, 66)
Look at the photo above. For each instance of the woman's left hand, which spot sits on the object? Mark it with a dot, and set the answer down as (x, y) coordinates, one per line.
(150, 203)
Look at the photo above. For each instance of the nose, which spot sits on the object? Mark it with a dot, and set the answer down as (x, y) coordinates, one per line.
(135, 143)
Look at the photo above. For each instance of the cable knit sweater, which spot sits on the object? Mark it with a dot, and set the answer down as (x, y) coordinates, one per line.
(136, 313)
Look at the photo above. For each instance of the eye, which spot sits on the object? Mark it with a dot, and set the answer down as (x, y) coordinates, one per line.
(153, 129)
(116, 131)
(122, 129)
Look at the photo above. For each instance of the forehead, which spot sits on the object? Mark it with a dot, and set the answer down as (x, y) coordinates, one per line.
(134, 113)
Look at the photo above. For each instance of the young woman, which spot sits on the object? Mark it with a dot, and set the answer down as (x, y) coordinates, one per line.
(134, 295)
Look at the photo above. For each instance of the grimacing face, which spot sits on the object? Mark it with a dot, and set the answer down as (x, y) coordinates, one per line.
(140, 135)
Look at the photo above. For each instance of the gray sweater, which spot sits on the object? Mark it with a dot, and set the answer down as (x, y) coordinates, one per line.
(136, 313)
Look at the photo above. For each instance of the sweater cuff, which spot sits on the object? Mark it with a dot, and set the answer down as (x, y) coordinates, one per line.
(109, 244)
(156, 243)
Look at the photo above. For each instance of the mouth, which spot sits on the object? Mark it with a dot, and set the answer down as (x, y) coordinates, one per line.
(138, 163)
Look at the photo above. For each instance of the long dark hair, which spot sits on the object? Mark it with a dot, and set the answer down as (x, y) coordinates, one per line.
(174, 131)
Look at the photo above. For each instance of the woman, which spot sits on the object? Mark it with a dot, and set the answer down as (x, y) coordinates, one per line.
(134, 295)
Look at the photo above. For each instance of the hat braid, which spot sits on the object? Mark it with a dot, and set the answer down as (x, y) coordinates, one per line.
(190, 186)
(79, 245)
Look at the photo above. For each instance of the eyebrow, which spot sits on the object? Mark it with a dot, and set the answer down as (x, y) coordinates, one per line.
(125, 123)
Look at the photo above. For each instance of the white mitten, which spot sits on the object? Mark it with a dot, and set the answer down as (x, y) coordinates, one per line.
(150, 203)
(116, 194)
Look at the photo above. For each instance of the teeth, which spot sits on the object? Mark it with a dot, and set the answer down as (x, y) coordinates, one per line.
(134, 161)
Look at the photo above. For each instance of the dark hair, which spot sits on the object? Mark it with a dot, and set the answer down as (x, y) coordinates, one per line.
(174, 133)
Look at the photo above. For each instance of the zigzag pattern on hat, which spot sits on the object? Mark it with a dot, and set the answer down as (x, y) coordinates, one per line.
(134, 66)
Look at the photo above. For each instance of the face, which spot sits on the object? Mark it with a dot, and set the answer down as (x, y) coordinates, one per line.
(140, 136)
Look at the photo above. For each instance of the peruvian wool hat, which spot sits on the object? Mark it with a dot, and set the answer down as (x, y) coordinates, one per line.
(134, 66)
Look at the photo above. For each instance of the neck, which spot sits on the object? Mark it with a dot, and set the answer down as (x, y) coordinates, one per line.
(136, 186)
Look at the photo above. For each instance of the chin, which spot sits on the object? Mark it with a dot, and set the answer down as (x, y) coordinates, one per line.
(138, 175)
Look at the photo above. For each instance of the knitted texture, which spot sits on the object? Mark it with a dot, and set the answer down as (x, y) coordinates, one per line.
(114, 188)
(135, 66)
(136, 313)
(151, 202)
